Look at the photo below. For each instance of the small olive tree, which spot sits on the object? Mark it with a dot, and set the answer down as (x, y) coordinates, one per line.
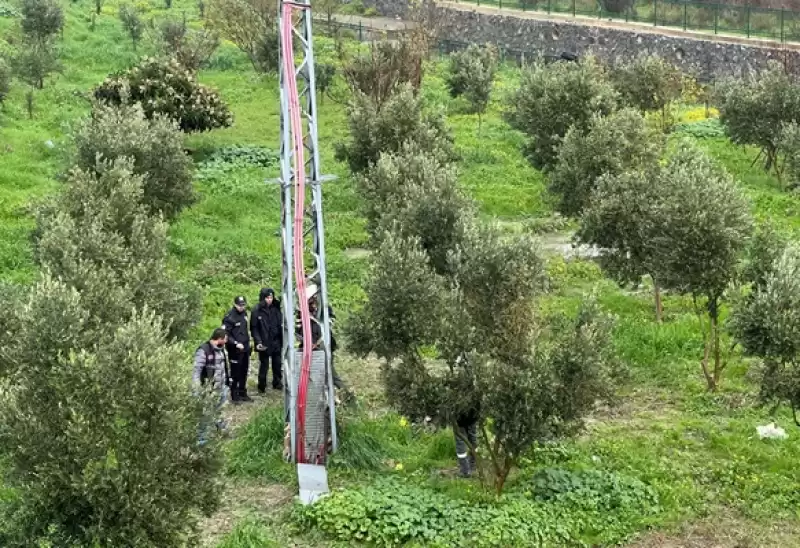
(620, 220)
(192, 48)
(553, 98)
(703, 229)
(609, 145)
(649, 84)
(414, 194)
(98, 428)
(471, 74)
(250, 24)
(401, 119)
(35, 62)
(165, 87)
(154, 145)
(132, 23)
(754, 108)
(767, 325)
(41, 20)
(383, 70)
(100, 239)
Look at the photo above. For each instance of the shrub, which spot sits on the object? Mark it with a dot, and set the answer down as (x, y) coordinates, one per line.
(167, 88)
(251, 25)
(471, 74)
(99, 239)
(789, 147)
(649, 83)
(324, 74)
(112, 459)
(610, 145)
(754, 108)
(553, 98)
(381, 72)
(41, 19)
(401, 119)
(155, 146)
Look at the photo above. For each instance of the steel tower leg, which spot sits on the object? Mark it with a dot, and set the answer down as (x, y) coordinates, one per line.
(313, 232)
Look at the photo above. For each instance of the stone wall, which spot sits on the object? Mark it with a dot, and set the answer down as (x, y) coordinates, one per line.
(707, 59)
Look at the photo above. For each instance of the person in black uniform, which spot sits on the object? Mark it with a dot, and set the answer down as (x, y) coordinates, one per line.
(238, 346)
(266, 326)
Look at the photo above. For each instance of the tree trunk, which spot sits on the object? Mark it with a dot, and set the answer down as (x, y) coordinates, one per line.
(657, 296)
(707, 338)
(502, 476)
(718, 365)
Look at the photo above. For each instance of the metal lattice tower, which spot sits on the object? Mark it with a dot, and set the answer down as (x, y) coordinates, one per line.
(298, 98)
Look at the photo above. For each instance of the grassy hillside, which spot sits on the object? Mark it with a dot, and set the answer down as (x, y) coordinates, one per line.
(670, 457)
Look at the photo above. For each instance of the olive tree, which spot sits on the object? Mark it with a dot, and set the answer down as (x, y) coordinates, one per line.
(99, 239)
(754, 108)
(650, 84)
(35, 62)
(703, 229)
(609, 145)
(41, 20)
(250, 24)
(768, 326)
(386, 129)
(383, 70)
(471, 74)
(552, 98)
(155, 145)
(98, 428)
(414, 194)
(620, 220)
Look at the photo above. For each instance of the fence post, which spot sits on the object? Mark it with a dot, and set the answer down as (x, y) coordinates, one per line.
(573, 8)
(716, 17)
(548, 6)
(655, 13)
(748, 20)
(684, 14)
(501, 4)
(360, 32)
(782, 15)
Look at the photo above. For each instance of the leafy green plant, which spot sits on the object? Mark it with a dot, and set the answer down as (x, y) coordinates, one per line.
(155, 145)
(552, 98)
(35, 61)
(710, 128)
(5, 80)
(226, 159)
(167, 88)
(250, 532)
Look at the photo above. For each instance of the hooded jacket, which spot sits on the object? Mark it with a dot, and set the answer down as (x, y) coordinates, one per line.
(266, 323)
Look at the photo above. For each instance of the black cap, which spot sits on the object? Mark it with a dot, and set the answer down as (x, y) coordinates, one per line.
(240, 301)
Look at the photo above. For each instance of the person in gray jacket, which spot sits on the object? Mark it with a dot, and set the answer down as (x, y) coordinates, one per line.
(211, 371)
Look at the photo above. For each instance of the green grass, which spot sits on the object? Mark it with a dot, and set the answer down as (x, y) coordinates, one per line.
(698, 452)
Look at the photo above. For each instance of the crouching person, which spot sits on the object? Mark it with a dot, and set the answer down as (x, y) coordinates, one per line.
(211, 373)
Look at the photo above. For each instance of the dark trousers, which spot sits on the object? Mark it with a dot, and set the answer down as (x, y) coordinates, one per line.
(263, 368)
(240, 364)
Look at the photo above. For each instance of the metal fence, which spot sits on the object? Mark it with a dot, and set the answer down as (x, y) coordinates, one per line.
(775, 24)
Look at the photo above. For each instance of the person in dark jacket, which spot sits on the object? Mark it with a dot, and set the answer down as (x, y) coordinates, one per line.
(238, 346)
(466, 434)
(266, 326)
